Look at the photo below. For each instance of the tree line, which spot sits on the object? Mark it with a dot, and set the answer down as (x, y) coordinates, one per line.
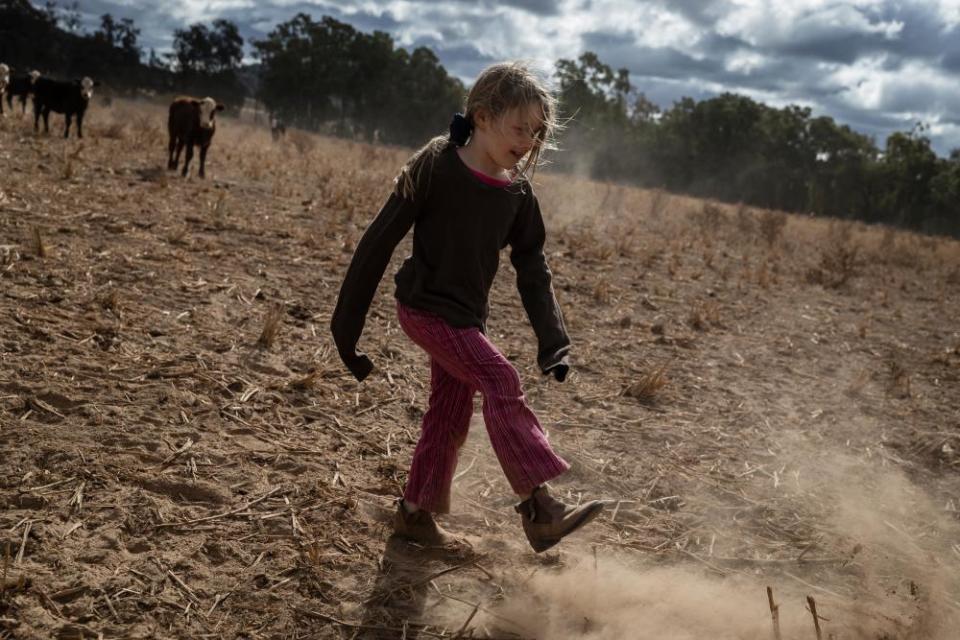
(737, 150)
(206, 59)
(326, 75)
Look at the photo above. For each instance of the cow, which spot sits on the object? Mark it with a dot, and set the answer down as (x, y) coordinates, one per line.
(4, 81)
(192, 122)
(21, 87)
(69, 98)
(277, 128)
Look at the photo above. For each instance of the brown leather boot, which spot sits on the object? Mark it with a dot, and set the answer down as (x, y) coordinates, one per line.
(420, 527)
(546, 520)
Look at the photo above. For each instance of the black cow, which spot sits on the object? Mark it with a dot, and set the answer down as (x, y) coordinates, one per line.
(69, 98)
(21, 87)
(192, 122)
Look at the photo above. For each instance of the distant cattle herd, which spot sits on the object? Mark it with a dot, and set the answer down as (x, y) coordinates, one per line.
(191, 121)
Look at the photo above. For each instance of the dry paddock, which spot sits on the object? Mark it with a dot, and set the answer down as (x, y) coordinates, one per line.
(763, 400)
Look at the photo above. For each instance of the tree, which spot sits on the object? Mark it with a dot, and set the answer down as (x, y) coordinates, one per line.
(945, 193)
(200, 49)
(192, 49)
(122, 35)
(226, 47)
(596, 99)
(207, 59)
(593, 90)
(129, 36)
(67, 17)
(327, 74)
(909, 166)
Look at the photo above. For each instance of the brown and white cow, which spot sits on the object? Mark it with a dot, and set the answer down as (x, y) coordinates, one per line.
(4, 81)
(192, 122)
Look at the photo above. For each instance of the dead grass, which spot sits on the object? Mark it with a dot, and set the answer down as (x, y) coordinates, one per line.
(302, 141)
(771, 225)
(111, 302)
(648, 386)
(899, 381)
(272, 323)
(704, 315)
(659, 203)
(839, 259)
(39, 245)
(146, 132)
(710, 219)
(116, 130)
(601, 292)
(254, 487)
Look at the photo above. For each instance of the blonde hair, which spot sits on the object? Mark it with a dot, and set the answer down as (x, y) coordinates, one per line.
(499, 89)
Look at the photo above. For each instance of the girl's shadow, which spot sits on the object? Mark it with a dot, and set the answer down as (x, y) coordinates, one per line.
(397, 601)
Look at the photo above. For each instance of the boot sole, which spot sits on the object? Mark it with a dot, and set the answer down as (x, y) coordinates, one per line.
(546, 543)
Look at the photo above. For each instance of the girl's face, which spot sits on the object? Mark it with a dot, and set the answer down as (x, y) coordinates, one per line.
(507, 139)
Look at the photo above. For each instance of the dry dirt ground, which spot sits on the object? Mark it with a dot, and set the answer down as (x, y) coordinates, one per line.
(763, 400)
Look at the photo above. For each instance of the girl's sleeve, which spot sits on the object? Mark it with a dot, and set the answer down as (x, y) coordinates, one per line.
(366, 269)
(534, 281)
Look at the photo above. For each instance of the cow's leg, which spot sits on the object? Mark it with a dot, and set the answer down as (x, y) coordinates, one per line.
(36, 116)
(66, 129)
(171, 163)
(181, 143)
(80, 124)
(187, 159)
(203, 158)
(46, 119)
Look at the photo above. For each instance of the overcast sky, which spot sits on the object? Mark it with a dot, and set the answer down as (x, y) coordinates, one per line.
(877, 65)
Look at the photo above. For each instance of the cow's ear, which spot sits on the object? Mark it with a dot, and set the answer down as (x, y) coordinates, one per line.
(220, 107)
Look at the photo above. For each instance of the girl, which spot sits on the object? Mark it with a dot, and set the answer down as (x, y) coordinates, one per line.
(468, 196)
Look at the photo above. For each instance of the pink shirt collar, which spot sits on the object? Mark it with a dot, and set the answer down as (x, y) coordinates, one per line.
(490, 180)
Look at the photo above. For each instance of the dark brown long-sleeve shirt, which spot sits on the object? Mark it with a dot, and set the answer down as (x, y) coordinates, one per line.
(460, 226)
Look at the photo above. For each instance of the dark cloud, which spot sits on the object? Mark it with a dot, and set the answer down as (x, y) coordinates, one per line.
(699, 12)
(951, 61)
(719, 44)
(916, 32)
(536, 7)
(668, 63)
(460, 60)
(836, 47)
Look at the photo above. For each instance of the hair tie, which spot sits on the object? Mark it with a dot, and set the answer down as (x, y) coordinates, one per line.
(460, 129)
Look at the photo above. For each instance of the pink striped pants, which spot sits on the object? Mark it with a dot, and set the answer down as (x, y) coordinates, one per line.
(463, 361)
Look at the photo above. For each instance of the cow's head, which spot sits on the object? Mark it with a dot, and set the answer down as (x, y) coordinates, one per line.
(86, 88)
(33, 76)
(208, 110)
(4, 74)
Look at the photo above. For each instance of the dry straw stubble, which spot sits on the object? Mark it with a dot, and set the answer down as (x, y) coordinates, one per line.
(271, 326)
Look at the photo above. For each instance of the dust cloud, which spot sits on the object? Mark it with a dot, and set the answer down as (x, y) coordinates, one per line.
(894, 574)
(615, 601)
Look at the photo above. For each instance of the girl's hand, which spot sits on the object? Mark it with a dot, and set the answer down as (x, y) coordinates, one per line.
(360, 365)
(559, 371)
